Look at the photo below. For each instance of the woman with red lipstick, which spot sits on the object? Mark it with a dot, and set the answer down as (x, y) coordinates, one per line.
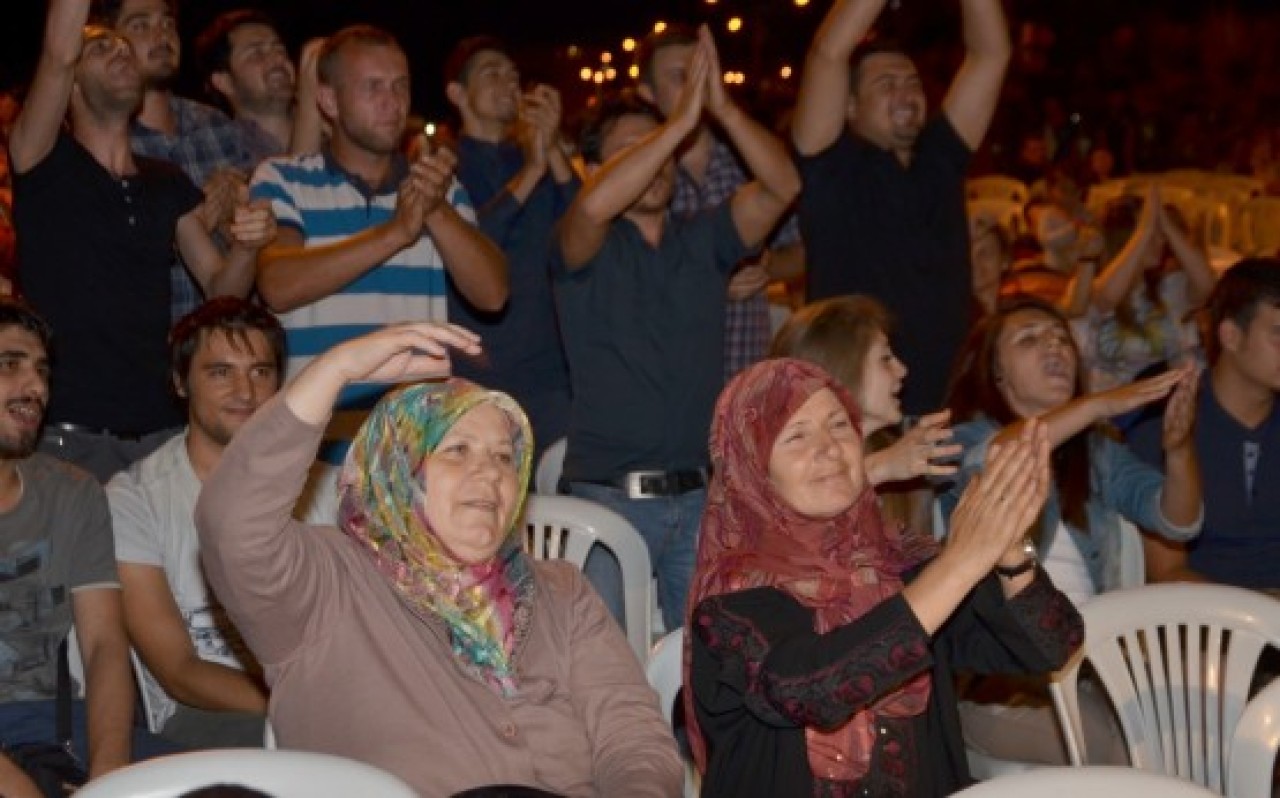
(1021, 363)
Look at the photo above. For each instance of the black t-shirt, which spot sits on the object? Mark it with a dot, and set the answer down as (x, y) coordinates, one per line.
(93, 257)
(899, 234)
(644, 334)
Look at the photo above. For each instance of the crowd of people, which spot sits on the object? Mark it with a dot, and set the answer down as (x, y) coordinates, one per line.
(277, 376)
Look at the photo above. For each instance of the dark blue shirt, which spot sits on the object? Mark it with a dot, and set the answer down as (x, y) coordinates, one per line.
(1240, 541)
(522, 351)
(644, 331)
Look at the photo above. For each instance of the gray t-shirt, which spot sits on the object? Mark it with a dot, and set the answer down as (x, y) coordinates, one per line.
(57, 540)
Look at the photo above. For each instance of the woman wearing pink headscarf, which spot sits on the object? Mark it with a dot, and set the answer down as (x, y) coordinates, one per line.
(822, 640)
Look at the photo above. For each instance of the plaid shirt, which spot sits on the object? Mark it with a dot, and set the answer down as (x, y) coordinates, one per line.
(205, 140)
(747, 329)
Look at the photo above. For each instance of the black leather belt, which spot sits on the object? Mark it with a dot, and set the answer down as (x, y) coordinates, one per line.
(648, 484)
(66, 426)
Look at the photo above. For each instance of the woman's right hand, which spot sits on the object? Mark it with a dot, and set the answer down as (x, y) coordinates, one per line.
(1125, 398)
(925, 450)
(1001, 503)
(396, 353)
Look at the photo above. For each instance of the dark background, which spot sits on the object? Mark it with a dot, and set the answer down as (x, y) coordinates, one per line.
(774, 34)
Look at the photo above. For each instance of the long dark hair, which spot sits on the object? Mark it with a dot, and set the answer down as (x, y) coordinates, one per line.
(975, 391)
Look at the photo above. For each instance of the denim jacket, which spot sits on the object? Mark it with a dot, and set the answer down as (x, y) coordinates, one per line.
(1119, 485)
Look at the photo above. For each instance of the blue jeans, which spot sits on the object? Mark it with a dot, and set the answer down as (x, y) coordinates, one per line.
(669, 526)
(36, 722)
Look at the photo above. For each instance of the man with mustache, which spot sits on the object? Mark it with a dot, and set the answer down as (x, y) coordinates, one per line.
(97, 227)
(883, 206)
(199, 139)
(56, 568)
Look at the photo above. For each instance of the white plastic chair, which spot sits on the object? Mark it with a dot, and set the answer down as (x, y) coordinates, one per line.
(565, 528)
(546, 477)
(1006, 213)
(1102, 781)
(1176, 661)
(282, 774)
(665, 672)
(1260, 226)
(1253, 747)
(997, 187)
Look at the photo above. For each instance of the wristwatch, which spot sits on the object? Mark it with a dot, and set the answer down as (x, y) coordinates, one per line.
(1029, 549)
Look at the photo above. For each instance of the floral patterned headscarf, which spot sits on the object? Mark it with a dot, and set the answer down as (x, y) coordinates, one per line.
(839, 567)
(382, 506)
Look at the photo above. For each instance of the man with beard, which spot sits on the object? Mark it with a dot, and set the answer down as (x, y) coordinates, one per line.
(56, 568)
(366, 238)
(199, 139)
(97, 227)
(203, 685)
(246, 66)
(641, 294)
(512, 163)
(883, 207)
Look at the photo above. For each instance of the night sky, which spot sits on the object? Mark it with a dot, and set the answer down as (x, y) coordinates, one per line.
(775, 33)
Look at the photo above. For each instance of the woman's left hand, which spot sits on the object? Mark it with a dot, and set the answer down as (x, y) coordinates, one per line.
(1180, 413)
(922, 451)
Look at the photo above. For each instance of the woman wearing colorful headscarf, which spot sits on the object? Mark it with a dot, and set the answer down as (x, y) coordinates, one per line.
(822, 640)
(418, 636)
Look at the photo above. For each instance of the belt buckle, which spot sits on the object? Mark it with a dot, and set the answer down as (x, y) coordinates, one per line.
(634, 482)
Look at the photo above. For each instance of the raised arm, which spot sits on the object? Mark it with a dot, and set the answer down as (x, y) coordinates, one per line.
(617, 184)
(1112, 286)
(308, 122)
(36, 129)
(253, 226)
(477, 266)
(1191, 259)
(971, 100)
(824, 87)
(758, 205)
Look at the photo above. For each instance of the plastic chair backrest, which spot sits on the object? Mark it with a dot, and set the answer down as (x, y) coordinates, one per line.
(997, 187)
(1061, 782)
(1176, 661)
(665, 672)
(1253, 746)
(281, 774)
(565, 528)
(1006, 213)
(1260, 218)
(546, 477)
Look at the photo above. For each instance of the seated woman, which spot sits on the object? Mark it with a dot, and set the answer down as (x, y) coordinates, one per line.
(848, 336)
(822, 639)
(419, 637)
(1021, 364)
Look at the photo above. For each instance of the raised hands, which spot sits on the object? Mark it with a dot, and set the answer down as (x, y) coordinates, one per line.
(252, 225)
(923, 451)
(1125, 398)
(423, 192)
(1180, 413)
(397, 353)
(1000, 504)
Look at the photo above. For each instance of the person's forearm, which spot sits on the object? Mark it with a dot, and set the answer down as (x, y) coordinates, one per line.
(1112, 286)
(986, 33)
(786, 262)
(763, 153)
(1075, 302)
(934, 595)
(235, 277)
(621, 181)
(1062, 423)
(1180, 501)
(526, 180)
(110, 697)
(14, 782)
(1200, 275)
(477, 266)
(824, 84)
(290, 277)
(558, 164)
(213, 686)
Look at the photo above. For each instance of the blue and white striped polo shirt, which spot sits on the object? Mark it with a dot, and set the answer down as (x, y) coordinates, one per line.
(326, 204)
